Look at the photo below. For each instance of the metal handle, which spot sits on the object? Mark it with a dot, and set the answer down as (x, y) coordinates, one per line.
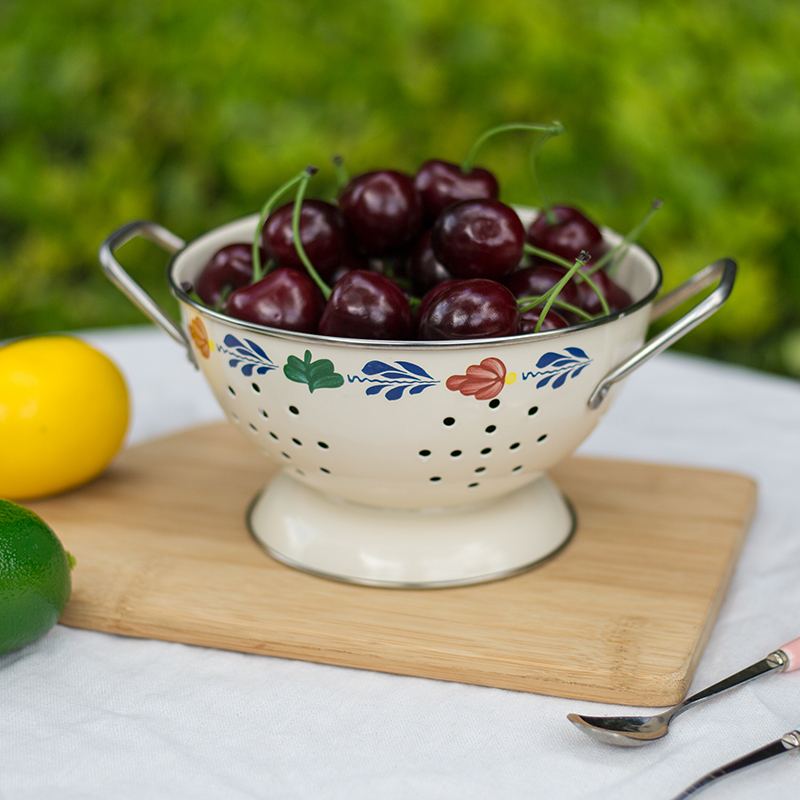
(724, 270)
(138, 296)
(788, 743)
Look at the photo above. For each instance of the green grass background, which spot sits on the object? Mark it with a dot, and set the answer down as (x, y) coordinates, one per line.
(191, 112)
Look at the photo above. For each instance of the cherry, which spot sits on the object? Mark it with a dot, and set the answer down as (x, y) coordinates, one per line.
(286, 298)
(384, 210)
(425, 270)
(530, 318)
(366, 305)
(616, 297)
(432, 294)
(477, 308)
(566, 232)
(441, 184)
(323, 236)
(478, 239)
(349, 262)
(228, 269)
(537, 280)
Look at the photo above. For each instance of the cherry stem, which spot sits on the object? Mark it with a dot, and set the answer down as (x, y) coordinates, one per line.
(265, 212)
(550, 296)
(553, 130)
(342, 178)
(581, 276)
(622, 248)
(306, 176)
(531, 302)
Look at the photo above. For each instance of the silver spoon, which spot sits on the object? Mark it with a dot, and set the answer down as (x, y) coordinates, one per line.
(788, 743)
(634, 731)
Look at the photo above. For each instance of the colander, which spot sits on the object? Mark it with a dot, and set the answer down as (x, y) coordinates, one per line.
(413, 463)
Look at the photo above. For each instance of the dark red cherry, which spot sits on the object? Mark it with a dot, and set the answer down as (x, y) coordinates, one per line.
(366, 305)
(323, 234)
(383, 209)
(425, 270)
(571, 233)
(441, 184)
(350, 261)
(228, 269)
(478, 239)
(477, 308)
(286, 298)
(530, 318)
(616, 297)
(432, 294)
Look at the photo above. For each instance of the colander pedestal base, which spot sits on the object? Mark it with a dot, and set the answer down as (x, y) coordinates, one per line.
(318, 533)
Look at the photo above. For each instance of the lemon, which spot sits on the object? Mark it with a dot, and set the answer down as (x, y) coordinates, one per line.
(63, 415)
(35, 579)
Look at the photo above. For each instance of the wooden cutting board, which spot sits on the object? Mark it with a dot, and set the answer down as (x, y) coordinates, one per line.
(621, 615)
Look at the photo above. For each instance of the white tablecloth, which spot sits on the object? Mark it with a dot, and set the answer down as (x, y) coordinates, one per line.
(91, 715)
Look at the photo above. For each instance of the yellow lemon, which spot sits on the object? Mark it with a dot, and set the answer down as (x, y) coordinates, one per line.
(63, 415)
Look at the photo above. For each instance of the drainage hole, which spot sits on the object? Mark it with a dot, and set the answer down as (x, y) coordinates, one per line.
(517, 469)
(297, 442)
(448, 421)
(424, 453)
(263, 413)
(274, 435)
(322, 445)
(294, 410)
(491, 428)
(326, 471)
(230, 389)
(436, 479)
(299, 472)
(494, 403)
(286, 455)
(471, 485)
(256, 388)
(234, 417)
(481, 469)
(514, 446)
(532, 410)
(253, 428)
(542, 437)
(486, 451)
(455, 453)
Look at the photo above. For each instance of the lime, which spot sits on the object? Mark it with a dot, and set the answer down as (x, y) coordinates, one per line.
(63, 415)
(35, 581)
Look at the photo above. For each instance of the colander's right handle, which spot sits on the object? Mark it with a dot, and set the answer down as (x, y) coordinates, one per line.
(138, 296)
(723, 270)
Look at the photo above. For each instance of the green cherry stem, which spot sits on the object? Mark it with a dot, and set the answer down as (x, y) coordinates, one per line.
(555, 129)
(622, 248)
(550, 295)
(342, 178)
(581, 276)
(306, 176)
(258, 273)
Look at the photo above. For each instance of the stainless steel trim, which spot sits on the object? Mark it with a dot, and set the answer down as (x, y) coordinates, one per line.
(725, 270)
(138, 296)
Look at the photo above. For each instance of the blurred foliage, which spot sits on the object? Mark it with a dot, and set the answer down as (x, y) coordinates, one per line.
(190, 112)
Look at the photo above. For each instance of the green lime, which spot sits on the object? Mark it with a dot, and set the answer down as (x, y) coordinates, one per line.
(35, 581)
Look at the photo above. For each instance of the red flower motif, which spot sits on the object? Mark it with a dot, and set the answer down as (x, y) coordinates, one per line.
(483, 381)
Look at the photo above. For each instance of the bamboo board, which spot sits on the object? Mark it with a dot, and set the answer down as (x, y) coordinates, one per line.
(621, 615)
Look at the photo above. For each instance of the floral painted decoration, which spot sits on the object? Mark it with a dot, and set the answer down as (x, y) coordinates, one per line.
(200, 336)
(394, 378)
(318, 374)
(483, 381)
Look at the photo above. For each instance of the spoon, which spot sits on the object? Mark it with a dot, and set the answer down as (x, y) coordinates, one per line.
(635, 731)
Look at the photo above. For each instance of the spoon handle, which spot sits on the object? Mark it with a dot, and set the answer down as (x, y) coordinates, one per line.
(784, 659)
(788, 743)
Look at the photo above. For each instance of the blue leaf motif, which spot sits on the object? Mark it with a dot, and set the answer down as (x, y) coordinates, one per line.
(543, 382)
(576, 351)
(547, 359)
(256, 349)
(394, 378)
(375, 368)
(247, 358)
(414, 368)
(559, 381)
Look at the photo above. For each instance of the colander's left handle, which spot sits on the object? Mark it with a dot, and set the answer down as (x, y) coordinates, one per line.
(138, 296)
(723, 271)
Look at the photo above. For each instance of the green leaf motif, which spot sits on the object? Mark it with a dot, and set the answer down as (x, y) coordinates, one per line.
(318, 374)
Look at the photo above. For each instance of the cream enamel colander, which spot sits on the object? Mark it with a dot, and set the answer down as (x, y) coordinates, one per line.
(413, 463)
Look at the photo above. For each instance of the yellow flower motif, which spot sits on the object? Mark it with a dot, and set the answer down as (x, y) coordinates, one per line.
(200, 336)
(511, 377)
